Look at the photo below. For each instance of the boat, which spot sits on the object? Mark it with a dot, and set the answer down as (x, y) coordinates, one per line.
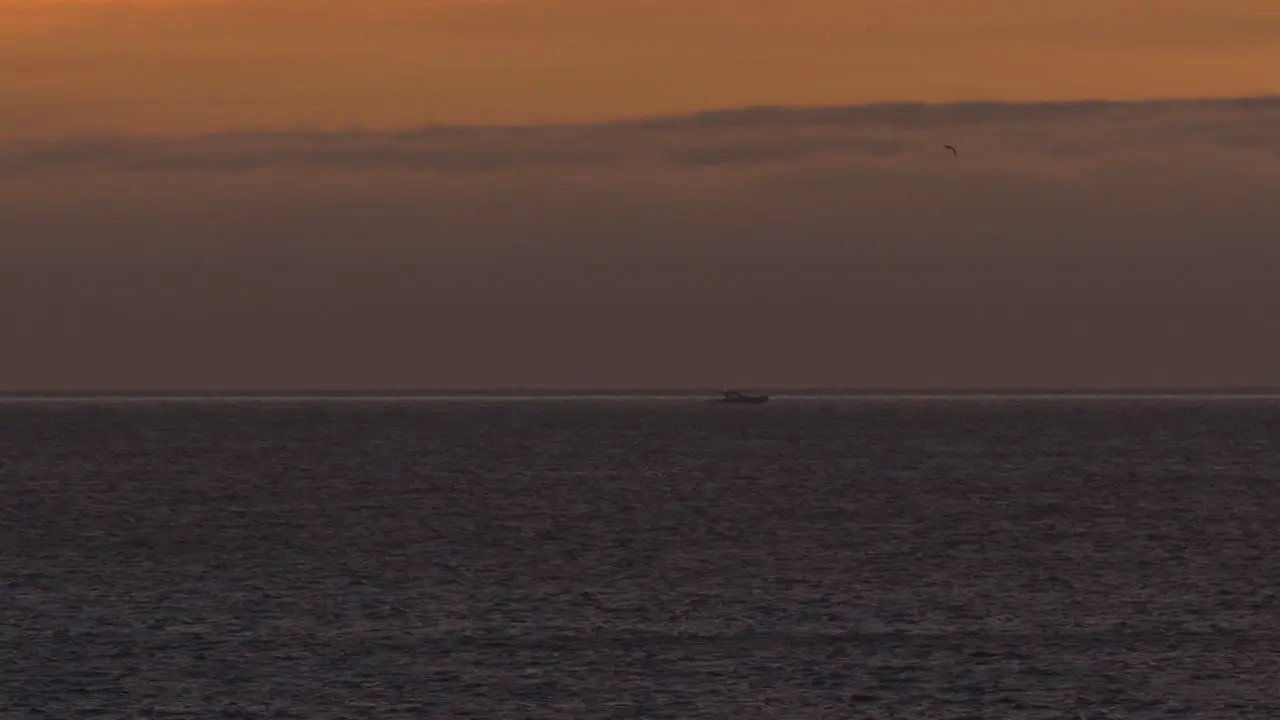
(737, 397)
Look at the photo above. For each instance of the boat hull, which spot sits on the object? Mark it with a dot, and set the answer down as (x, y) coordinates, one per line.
(743, 399)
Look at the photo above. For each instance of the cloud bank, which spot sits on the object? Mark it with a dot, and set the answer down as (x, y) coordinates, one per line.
(1068, 244)
(996, 133)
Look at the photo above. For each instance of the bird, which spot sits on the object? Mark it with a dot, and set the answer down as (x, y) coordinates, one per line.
(953, 150)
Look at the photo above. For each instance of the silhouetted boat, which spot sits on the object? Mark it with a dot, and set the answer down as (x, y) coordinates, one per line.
(741, 398)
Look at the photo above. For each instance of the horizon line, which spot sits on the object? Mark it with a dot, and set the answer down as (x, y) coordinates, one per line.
(1243, 391)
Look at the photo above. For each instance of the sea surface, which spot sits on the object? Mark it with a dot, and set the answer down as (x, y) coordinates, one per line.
(640, 558)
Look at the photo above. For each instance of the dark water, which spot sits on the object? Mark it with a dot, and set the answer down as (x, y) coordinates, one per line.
(641, 559)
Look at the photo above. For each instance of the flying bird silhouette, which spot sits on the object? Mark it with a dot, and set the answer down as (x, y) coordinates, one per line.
(953, 151)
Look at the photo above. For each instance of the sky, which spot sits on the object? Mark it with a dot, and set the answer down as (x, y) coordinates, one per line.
(179, 66)
(225, 194)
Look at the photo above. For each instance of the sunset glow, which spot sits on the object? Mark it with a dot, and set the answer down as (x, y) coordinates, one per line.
(349, 240)
(182, 66)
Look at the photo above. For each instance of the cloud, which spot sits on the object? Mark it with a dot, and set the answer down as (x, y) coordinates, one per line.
(1068, 244)
(766, 136)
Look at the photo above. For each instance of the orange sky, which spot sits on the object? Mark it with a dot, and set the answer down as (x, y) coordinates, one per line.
(181, 66)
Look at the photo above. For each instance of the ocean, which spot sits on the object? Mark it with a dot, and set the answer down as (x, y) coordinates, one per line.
(912, 557)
